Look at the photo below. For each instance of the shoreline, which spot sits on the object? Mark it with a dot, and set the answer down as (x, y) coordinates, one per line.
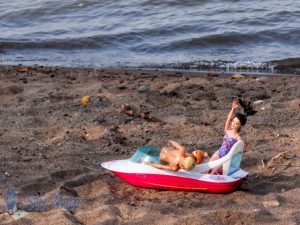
(164, 71)
(50, 144)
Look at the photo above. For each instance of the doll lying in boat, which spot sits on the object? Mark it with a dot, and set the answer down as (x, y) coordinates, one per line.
(176, 157)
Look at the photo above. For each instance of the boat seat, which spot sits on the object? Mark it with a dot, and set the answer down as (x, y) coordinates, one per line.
(231, 162)
(146, 154)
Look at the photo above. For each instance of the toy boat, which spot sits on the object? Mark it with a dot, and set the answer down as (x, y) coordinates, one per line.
(136, 172)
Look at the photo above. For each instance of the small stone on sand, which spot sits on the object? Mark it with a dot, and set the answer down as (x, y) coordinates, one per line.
(143, 88)
(270, 204)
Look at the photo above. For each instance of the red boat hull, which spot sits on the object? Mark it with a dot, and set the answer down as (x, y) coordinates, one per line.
(158, 181)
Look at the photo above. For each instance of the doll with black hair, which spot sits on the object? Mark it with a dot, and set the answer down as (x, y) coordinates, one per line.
(234, 122)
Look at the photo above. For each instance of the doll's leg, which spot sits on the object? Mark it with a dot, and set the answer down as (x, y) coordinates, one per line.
(213, 158)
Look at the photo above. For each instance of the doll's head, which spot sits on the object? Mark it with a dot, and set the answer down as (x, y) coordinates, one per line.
(240, 119)
(189, 163)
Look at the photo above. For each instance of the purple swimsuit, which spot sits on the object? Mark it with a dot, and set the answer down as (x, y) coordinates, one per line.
(226, 145)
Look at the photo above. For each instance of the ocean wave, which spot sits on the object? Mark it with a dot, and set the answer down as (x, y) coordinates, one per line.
(141, 41)
(289, 65)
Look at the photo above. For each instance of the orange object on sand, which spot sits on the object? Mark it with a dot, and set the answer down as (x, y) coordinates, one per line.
(85, 100)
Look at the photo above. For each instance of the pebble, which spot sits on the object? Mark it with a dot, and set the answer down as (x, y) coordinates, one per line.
(143, 88)
(258, 102)
(122, 87)
(99, 120)
(263, 79)
(237, 75)
(7, 174)
(27, 159)
(133, 204)
(270, 204)
(42, 156)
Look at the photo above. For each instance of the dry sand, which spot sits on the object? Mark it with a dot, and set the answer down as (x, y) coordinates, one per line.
(50, 145)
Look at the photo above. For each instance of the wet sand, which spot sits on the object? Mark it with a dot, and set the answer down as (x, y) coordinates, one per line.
(51, 145)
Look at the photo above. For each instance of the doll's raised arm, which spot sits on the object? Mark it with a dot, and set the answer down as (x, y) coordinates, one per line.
(178, 146)
(230, 115)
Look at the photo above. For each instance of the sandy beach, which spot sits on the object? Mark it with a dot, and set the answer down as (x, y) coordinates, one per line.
(51, 145)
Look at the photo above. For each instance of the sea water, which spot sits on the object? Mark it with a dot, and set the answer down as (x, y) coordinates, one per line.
(191, 34)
